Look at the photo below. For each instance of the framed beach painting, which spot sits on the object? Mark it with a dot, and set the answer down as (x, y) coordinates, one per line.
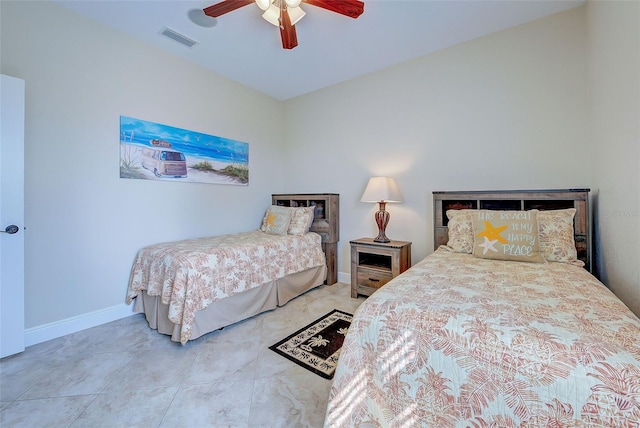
(153, 151)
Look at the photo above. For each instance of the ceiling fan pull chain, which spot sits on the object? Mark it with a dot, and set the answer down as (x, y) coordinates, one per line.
(283, 9)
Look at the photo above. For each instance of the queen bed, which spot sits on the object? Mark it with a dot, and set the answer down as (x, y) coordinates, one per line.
(191, 287)
(466, 339)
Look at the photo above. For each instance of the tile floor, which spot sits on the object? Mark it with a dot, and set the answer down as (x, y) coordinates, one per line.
(123, 374)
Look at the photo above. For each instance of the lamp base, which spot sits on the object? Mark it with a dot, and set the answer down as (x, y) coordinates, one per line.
(382, 239)
(382, 219)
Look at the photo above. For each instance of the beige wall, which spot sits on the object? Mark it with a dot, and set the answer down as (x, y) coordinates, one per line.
(613, 29)
(85, 224)
(506, 111)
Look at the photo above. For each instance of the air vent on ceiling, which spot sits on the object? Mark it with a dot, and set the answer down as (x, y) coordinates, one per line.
(174, 35)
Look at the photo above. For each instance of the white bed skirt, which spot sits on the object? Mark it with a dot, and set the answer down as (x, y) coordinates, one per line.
(232, 309)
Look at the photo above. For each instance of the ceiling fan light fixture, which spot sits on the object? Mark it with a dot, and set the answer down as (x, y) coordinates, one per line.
(263, 4)
(272, 15)
(284, 14)
(295, 14)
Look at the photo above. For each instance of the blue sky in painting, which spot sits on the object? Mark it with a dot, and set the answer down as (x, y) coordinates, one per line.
(191, 143)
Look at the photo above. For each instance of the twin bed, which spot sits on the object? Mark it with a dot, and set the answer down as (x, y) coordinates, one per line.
(467, 339)
(192, 287)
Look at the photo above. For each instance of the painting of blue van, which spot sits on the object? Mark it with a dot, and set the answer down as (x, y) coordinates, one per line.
(153, 151)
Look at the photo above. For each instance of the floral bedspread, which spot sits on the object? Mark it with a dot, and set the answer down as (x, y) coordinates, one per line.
(192, 274)
(458, 341)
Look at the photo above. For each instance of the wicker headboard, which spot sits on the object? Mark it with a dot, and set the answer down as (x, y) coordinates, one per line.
(326, 222)
(517, 200)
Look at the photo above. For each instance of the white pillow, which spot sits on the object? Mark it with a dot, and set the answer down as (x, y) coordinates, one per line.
(301, 220)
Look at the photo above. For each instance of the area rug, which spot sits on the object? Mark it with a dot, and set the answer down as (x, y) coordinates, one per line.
(316, 347)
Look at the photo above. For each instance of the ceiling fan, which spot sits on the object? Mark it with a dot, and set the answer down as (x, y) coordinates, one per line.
(286, 13)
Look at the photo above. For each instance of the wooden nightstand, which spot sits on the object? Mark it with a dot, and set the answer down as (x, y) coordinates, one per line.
(373, 264)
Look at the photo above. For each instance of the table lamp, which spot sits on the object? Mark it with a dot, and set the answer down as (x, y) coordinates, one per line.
(381, 190)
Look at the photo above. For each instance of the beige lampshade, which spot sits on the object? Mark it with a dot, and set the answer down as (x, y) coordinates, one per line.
(263, 4)
(272, 15)
(295, 14)
(382, 189)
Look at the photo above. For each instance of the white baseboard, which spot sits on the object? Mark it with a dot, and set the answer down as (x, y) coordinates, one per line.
(61, 328)
(344, 277)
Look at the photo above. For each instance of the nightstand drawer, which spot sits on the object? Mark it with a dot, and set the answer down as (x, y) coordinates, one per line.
(373, 278)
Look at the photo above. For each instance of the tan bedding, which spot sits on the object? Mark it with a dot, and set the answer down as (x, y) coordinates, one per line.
(190, 275)
(458, 341)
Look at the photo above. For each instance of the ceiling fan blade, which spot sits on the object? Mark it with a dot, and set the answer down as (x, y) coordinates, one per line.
(350, 8)
(288, 31)
(225, 6)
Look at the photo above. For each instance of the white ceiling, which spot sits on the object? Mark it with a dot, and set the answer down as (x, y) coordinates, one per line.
(331, 48)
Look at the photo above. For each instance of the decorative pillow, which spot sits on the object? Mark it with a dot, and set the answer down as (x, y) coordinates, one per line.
(506, 235)
(301, 220)
(276, 220)
(265, 219)
(460, 230)
(557, 243)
